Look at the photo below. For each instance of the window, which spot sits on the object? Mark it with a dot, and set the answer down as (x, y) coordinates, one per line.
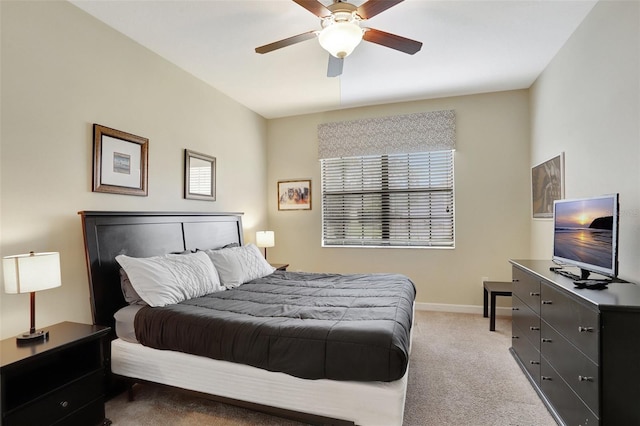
(395, 200)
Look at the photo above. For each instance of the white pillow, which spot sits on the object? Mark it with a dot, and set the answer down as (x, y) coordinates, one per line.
(238, 265)
(169, 279)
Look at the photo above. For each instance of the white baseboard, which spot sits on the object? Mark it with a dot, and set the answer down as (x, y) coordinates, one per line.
(461, 309)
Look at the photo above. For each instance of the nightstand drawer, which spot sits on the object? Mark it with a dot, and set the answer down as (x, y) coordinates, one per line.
(60, 403)
(90, 414)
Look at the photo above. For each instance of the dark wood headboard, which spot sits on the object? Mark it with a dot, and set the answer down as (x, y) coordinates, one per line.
(144, 234)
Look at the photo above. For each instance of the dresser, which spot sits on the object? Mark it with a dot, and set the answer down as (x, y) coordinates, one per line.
(579, 348)
(56, 381)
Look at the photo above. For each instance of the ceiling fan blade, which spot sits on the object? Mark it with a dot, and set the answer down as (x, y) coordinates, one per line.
(314, 7)
(373, 7)
(285, 42)
(335, 66)
(393, 41)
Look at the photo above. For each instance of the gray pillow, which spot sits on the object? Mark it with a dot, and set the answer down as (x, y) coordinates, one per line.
(130, 294)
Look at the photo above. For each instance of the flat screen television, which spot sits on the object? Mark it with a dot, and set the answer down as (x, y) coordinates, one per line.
(586, 234)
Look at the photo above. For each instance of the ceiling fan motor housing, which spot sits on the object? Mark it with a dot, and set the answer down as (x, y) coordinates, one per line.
(341, 31)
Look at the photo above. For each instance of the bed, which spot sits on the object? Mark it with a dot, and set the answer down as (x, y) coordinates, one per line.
(363, 390)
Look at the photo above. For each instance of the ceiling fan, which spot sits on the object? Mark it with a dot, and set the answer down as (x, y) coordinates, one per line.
(341, 31)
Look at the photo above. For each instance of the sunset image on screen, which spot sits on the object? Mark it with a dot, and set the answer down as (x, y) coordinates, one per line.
(581, 214)
(584, 231)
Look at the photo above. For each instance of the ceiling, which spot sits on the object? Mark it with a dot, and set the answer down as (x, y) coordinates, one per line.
(468, 47)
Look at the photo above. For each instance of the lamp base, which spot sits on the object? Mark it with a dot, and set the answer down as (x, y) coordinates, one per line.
(36, 336)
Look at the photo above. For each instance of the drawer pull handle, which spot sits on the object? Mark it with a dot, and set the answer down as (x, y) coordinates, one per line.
(546, 378)
(547, 302)
(534, 294)
(515, 337)
(534, 328)
(515, 309)
(534, 362)
(64, 404)
(546, 340)
(585, 379)
(585, 329)
(515, 281)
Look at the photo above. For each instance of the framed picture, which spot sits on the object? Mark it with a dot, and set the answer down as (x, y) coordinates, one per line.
(547, 185)
(119, 162)
(294, 194)
(199, 176)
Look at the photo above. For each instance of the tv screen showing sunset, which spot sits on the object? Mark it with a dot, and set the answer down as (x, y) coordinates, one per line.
(584, 231)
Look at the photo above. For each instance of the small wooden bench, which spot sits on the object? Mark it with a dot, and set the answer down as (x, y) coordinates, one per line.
(492, 289)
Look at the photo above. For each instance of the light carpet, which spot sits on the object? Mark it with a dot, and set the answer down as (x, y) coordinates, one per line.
(460, 373)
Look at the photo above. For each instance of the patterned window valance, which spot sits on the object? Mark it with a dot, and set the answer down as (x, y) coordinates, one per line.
(400, 134)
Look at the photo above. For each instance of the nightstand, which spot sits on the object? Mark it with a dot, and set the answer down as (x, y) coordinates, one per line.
(280, 266)
(59, 380)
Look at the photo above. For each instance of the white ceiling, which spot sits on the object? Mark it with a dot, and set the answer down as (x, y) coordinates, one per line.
(469, 47)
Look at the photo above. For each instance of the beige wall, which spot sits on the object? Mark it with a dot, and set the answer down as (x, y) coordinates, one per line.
(587, 104)
(492, 198)
(62, 71)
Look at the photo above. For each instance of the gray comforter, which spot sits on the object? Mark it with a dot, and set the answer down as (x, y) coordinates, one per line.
(340, 327)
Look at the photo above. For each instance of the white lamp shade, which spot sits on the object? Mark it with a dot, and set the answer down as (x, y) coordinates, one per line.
(340, 38)
(265, 239)
(24, 273)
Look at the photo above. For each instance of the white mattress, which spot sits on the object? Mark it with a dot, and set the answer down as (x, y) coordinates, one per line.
(365, 403)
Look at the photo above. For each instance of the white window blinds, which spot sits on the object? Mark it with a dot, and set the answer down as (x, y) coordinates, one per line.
(389, 200)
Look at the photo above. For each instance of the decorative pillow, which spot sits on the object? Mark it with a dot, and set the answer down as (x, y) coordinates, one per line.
(130, 294)
(169, 279)
(238, 265)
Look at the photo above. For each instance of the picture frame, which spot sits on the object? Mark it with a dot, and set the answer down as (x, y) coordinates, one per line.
(547, 185)
(199, 176)
(120, 162)
(294, 194)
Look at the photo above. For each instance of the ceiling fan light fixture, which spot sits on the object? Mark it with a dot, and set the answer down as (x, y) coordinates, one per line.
(340, 38)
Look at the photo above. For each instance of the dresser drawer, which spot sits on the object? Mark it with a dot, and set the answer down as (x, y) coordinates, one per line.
(568, 405)
(527, 288)
(578, 371)
(60, 403)
(527, 353)
(575, 321)
(527, 321)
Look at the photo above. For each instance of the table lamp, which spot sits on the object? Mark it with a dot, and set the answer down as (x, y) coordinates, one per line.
(265, 239)
(28, 273)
